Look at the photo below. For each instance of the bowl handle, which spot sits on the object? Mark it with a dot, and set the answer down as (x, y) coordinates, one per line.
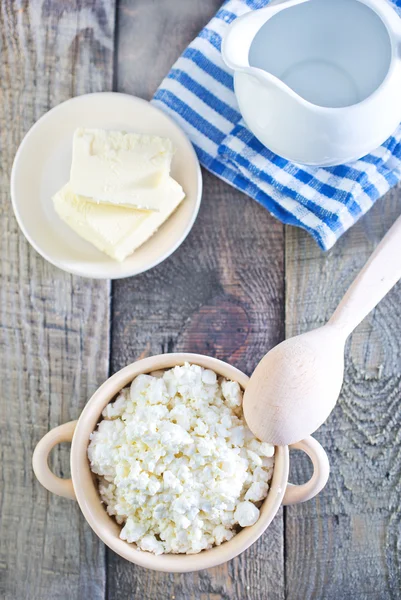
(294, 494)
(57, 485)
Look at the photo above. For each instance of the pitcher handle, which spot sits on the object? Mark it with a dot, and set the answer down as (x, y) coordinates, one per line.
(294, 494)
(54, 484)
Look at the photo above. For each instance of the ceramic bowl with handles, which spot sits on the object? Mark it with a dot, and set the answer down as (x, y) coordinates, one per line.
(83, 488)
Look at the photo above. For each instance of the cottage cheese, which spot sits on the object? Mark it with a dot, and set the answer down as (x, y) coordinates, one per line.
(177, 466)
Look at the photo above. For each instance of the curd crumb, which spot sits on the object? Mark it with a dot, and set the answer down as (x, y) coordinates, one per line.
(246, 514)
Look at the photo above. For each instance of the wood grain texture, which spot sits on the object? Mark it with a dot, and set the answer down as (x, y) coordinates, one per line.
(221, 294)
(54, 331)
(151, 34)
(346, 544)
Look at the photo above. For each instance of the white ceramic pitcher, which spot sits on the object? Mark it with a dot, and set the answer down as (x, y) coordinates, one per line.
(318, 81)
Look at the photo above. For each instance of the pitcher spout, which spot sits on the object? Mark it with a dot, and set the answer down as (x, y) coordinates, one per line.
(241, 33)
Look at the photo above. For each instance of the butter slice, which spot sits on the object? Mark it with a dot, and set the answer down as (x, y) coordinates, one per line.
(114, 230)
(118, 168)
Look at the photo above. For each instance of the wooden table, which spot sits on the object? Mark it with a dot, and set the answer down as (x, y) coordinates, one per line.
(239, 284)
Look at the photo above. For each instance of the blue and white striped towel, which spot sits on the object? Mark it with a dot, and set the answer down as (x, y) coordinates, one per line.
(198, 94)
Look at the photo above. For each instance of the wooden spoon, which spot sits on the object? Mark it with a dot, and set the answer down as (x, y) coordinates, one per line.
(296, 385)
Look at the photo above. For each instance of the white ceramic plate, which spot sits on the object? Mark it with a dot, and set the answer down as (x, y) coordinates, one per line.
(42, 165)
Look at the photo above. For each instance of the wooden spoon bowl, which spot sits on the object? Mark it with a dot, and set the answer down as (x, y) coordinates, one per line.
(296, 385)
(303, 377)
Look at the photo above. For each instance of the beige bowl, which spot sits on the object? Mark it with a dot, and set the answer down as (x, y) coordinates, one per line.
(83, 486)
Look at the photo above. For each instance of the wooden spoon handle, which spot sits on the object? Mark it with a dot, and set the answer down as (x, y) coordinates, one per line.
(378, 276)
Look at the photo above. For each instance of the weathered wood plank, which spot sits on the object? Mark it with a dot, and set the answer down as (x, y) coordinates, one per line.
(221, 294)
(346, 544)
(54, 332)
(150, 37)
